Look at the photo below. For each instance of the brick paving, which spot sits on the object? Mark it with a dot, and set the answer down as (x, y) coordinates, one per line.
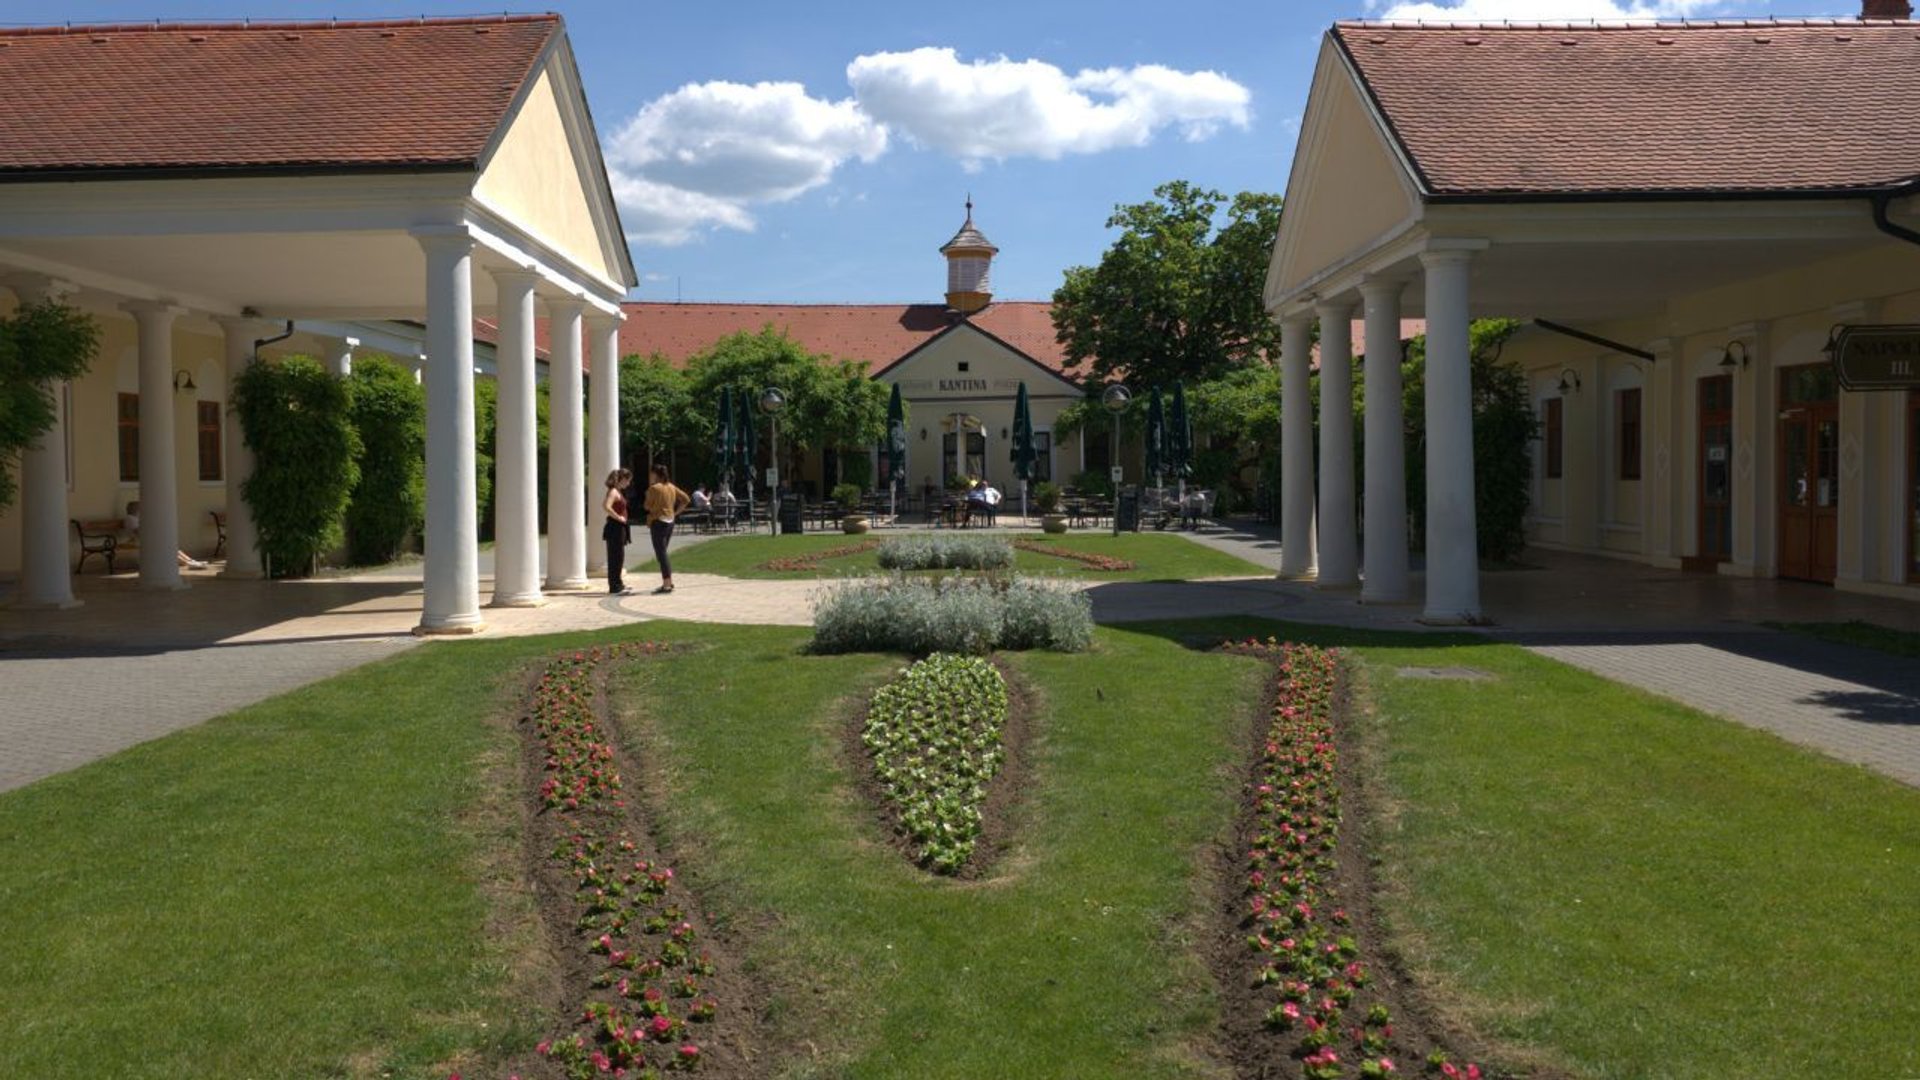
(132, 665)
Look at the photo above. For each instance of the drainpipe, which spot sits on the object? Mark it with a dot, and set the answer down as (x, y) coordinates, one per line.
(258, 342)
(1883, 200)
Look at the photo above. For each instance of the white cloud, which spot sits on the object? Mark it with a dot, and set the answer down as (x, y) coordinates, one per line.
(700, 156)
(1546, 10)
(994, 109)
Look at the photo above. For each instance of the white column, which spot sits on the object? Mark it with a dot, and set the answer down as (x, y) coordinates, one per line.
(516, 491)
(566, 450)
(159, 487)
(339, 359)
(46, 577)
(1339, 555)
(1385, 549)
(452, 572)
(243, 540)
(1296, 447)
(1453, 564)
(603, 443)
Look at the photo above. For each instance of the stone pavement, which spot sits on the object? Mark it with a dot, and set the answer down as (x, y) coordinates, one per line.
(131, 665)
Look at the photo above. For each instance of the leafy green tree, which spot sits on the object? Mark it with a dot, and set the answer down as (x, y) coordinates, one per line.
(656, 410)
(829, 403)
(299, 420)
(1503, 428)
(1178, 294)
(389, 498)
(486, 411)
(39, 345)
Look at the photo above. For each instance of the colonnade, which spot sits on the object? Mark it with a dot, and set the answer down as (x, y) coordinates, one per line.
(1319, 541)
(452, 580)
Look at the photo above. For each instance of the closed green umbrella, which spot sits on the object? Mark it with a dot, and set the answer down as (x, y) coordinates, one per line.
(723, 440)
(1156, 437)
(1023, 453)
(896, 448)
(1179, 434)
(745, 441)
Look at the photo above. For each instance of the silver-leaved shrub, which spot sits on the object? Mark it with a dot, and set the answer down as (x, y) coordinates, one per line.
(957, 615)
(945, 551)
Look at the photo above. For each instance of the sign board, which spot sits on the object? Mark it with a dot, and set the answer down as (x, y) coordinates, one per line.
(1878, 357)
(1113, 474)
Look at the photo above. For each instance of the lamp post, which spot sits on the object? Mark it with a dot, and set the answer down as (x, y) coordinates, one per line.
(772, 400)
(1115, 399)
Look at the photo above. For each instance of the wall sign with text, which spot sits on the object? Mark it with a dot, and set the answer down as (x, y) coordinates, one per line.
(1878, 357)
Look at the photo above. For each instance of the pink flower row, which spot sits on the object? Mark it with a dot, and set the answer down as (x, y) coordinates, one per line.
(1086, 558)
(1301, 938)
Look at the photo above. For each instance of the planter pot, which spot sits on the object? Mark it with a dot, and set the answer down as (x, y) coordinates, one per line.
(853, 524)
(1053, 523)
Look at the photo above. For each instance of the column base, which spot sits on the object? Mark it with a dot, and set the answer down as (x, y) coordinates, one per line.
(449, 629)
(230, 574)
(1326, 585)
(24, 604)
(579, 584)
(1308, 576)
(520, 600)
(1385, 598)
(1453, 618)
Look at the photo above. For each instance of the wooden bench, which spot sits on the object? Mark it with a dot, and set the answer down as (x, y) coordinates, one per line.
(219, 532)
(97, 538)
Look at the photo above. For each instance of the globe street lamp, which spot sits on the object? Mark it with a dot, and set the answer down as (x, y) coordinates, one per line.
(1115, 398)
(772, 400)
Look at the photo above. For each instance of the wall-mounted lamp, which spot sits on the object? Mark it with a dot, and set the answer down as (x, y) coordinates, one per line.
(923, 434)
(183, 381)
(1569, 382)
(1832, 347)
(1003, 433)
(1727, 359)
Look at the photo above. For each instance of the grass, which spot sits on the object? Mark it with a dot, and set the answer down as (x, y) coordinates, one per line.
(1864, 634)
(1635, 889)
(291, 890)
(1072, 959)
(320, 885)
(1157, 557)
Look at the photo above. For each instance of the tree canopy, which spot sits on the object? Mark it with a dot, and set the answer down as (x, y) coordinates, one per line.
(39, 344)
(656, 409)
(830, 403)
(1178, 294)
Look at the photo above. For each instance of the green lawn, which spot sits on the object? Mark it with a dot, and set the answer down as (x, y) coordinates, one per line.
(1865, 634)
(322, 885)
(1156, 557)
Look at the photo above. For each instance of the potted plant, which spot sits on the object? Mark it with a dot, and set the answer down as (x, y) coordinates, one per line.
(1047, 496)
(852, 520)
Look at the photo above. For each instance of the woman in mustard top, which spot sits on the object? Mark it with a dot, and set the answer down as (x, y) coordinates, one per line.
(663, 503)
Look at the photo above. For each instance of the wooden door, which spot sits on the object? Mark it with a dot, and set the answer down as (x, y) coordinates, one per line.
(1809, 450)
(1716, 468)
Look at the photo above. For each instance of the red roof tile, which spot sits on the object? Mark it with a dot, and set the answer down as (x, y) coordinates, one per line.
(265, 96)
(874, 335)
(1663, 108)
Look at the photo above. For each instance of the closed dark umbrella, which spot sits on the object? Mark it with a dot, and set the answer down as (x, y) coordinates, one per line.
(745, 441)
(723, 440)
(1179, 434)
(1023, 453)
(1156, 437)
(896, 448)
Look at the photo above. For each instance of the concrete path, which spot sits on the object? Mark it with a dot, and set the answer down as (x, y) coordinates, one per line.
(132, 665)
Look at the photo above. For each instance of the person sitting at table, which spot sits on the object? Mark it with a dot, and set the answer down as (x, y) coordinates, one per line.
(976, 500)
(701, 500)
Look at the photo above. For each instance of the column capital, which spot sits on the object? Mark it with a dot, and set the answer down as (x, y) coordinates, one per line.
(1378, 288)
(153, 308)
(1755, 330)
(1334, 307)
(602, 321)
(452, 238)
(518, 276)
(1661, 348)
(34, 288)
(1451, 255)
(1300, 322)
(564, 306)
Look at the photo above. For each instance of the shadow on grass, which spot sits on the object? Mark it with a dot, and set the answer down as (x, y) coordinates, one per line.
(1209, 633)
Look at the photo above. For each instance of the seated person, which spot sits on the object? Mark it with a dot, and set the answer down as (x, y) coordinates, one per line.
(1192, 508)
(701, 500)
(132, 523)
(976, 499)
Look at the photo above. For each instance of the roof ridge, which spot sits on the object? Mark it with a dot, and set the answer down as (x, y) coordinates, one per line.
(166, 26)
(1622, 24)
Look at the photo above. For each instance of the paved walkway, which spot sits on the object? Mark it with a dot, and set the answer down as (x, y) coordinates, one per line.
(132, 665)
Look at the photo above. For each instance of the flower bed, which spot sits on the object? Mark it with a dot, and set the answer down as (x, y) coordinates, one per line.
(812, 561)
(934, 734)
(645, 1002)
(1085, 558)
(1306, 958)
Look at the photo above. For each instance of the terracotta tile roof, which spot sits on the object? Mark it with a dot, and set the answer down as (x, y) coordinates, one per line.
(871, 334)
(1555, 110)
(265, 96)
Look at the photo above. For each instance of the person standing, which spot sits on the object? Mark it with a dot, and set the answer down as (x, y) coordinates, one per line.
(664, 502)
(617, 532)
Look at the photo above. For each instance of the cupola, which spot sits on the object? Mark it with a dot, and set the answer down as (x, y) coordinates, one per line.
(969, 258)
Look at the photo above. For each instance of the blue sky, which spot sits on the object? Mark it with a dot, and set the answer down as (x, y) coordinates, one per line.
(782, 152)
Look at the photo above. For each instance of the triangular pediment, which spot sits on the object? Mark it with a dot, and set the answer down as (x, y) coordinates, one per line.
(966, 360)
(1350, 189)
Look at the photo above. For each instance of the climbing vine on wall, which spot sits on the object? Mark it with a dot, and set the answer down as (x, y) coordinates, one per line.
(389, 414)
(298, 419)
